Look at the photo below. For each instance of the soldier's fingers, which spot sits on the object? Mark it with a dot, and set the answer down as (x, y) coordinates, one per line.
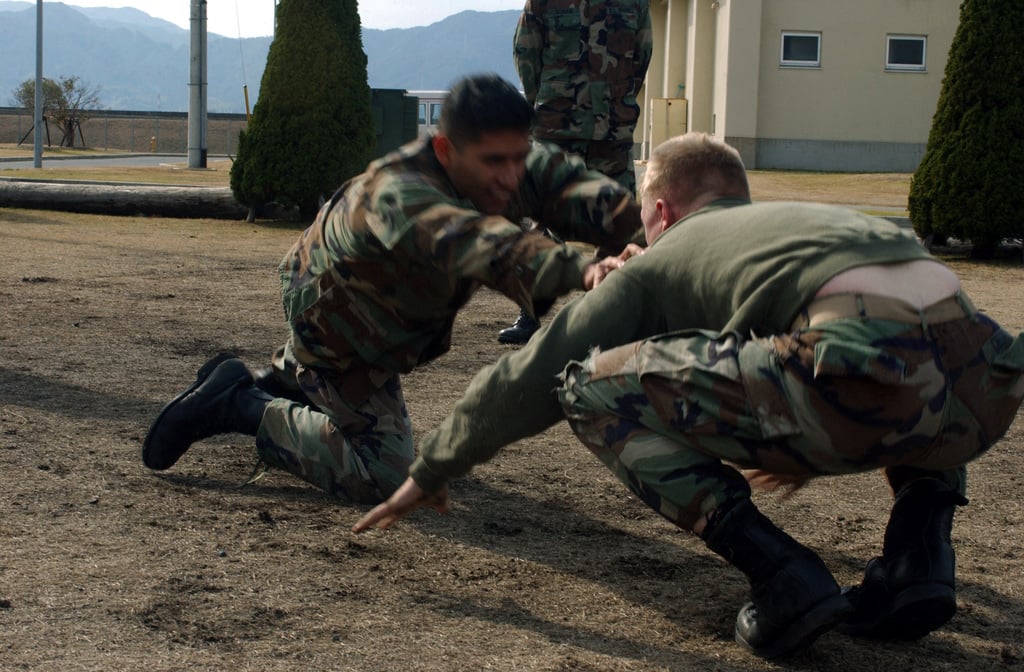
(631, 250)
(439, 502)
(380, 517)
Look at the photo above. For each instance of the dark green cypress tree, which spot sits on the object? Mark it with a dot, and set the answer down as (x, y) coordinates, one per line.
(969, 184)
(312, 127)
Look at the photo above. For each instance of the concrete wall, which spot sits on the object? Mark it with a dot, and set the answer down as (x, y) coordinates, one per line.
(162, 132)
(833, 155)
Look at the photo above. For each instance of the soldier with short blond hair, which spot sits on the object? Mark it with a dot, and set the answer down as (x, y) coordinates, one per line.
(790, 340)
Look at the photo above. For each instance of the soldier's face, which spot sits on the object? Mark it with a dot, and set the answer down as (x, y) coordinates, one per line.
(488, 171)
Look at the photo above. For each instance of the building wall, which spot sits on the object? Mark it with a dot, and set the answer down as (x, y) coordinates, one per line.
(848, 113)
(851, 96)
(737, 75)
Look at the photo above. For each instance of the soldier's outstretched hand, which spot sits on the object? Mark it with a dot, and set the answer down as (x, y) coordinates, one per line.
(407, 498)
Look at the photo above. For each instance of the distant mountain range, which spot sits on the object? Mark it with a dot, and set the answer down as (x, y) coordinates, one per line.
(139, 62)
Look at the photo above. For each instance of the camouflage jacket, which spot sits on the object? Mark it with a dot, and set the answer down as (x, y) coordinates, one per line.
(372, 287)
(582, 63)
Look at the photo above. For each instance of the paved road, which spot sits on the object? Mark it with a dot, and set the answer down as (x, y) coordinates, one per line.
(118, 160)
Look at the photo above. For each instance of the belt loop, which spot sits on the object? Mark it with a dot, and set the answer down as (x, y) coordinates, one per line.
(861, 311)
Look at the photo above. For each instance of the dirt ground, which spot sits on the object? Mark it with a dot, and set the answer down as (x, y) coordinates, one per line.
(545, 564)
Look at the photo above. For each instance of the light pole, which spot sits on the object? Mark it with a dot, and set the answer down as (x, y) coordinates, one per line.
(37, 150)
(197, 86)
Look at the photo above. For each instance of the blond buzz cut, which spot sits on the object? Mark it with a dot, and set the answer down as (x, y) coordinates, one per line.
(688, 166)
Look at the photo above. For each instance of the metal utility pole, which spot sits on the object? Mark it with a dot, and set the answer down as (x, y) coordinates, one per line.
(197, 86)
(37, 152)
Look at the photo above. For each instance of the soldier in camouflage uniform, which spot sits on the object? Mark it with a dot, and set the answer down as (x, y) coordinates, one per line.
(791, 340)
(582, 63)
(372, 288)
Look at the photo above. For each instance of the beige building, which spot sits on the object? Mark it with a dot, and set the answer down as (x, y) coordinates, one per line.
(833, 85)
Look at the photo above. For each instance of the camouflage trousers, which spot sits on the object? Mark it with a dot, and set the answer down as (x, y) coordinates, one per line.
(675, 416)
(613, 158)
(357, 452)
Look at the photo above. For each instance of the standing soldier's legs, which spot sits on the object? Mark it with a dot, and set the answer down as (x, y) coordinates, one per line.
(614, 158)
(526, 325)
(358, 453)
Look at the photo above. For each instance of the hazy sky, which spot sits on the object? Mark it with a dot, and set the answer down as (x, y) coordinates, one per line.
(254, 18)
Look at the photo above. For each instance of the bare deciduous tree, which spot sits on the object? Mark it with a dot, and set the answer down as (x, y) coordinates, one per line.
(66, 101)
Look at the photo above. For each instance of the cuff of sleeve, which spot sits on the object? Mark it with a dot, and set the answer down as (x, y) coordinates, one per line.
(425, 477)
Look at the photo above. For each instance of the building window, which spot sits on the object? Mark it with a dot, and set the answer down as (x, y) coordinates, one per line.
(905, 52)
(801, 50)
(435, 114)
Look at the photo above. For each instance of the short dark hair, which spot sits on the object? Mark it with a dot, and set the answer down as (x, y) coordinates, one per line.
(480, 104)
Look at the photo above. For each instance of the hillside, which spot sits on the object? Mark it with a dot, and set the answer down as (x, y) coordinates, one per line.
(141, 63)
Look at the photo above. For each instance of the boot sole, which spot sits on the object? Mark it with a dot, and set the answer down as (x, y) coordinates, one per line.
(804, 630)
(514, 340)
(914, 612)
(204, 372)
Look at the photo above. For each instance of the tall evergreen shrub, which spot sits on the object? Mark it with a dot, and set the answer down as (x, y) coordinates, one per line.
(969, 183)
(312, 127)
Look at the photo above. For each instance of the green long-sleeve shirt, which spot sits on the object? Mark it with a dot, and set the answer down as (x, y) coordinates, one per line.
(732, 266)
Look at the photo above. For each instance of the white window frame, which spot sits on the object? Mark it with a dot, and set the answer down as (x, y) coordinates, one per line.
(435, 114)
(790, 63)
(907, 67)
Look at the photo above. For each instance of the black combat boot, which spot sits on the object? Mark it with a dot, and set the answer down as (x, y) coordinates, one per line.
(520, 331)
(222, 399)
(910, 590)
(277, 384)
(795, 597)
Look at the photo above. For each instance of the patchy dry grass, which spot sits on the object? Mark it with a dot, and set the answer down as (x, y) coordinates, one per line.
(174, 172)
(882, 192)
(546, 564)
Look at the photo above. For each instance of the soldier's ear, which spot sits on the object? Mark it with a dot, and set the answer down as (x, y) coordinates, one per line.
(442, 149)
(667, 215)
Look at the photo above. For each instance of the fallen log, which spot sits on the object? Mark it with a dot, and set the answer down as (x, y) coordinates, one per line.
(126, 199)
